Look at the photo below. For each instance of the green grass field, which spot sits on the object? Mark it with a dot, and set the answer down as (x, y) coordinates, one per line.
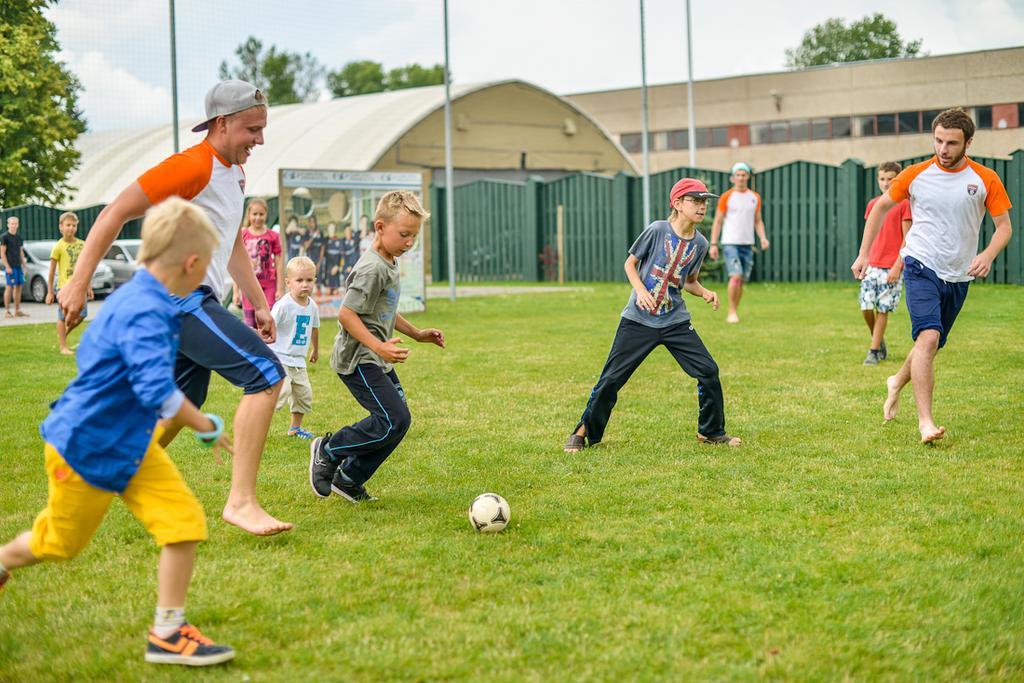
(828, 547)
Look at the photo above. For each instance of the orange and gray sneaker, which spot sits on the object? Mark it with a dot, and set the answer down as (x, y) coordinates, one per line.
(186, 646)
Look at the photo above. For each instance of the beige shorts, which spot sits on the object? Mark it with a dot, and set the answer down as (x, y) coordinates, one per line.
(296, 390)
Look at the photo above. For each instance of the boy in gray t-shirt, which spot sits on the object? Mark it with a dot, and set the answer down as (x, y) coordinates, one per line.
(364, 354)
(662, 264)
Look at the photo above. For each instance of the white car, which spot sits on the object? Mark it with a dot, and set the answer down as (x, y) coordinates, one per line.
(123, 259)
(37, 269)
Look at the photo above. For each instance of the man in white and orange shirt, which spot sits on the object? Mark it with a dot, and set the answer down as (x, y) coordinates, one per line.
(210, 175)
(948, 195)
(737, 219)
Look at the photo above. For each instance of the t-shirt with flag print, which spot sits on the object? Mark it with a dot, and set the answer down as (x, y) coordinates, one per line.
(666, 260)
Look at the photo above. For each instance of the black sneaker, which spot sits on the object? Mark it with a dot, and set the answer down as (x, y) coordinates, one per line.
(883, 352)
(321, 469)
(5, 576)
(871, 358)
(348, 489)
(186, 646)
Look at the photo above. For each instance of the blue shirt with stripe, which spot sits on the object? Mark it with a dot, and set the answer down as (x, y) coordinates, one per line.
(103, 423)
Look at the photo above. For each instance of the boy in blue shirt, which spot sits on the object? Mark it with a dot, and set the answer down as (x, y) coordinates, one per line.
(102, 438)
(669, 254)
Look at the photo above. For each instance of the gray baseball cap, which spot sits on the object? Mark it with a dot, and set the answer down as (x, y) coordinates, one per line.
(230, 97)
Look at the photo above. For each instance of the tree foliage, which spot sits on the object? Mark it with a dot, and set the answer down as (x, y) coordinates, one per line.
(39, 116)
(284, 77)
(832, 42)
(362, 77)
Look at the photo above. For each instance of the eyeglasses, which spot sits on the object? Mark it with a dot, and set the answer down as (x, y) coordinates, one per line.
(697, 200)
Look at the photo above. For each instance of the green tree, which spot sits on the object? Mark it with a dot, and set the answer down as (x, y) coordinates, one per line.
(415, 76)
(356, 78)
(285, 77)
(39, 116)
(831, 42)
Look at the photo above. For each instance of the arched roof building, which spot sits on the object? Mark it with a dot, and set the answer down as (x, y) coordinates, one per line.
(507, 129)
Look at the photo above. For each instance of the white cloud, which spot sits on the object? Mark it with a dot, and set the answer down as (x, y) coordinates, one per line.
(114, 98)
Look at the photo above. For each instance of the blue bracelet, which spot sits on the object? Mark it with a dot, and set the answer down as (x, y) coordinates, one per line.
(208, 439)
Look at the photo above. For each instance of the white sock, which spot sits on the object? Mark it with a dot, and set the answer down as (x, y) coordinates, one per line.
(167, 620)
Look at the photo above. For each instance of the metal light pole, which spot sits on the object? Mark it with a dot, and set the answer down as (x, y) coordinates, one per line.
(644, 145)
(692, 133)
(174, 80)
(449, 183)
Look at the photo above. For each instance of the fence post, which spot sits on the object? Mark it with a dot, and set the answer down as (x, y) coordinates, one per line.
(438, 231)
(1015, 188)
(622, 229)
(849, 191)
(531, 230)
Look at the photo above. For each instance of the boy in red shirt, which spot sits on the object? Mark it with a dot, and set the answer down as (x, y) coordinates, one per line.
(881, 287)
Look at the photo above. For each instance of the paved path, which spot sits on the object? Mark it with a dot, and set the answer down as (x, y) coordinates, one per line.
(41, 313)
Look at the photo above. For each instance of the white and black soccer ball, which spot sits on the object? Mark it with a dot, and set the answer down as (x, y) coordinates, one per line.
(489, 513)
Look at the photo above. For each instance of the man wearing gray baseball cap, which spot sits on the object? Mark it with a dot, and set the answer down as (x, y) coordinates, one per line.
(210, 175)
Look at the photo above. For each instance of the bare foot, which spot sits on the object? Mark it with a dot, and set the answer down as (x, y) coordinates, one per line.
(732, 318)
(932, 434)
(21, 314)
(254, 519)
(724, 440)
(892, 401)
(67, 352)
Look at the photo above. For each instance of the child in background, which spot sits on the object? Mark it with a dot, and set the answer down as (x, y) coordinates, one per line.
(264, 248)
(350, 251)
(881, 287)
(663, 262)
(298, 333)
(102, 438)
(364, 351)
(332, 260)
(63, 258)
(295, 237)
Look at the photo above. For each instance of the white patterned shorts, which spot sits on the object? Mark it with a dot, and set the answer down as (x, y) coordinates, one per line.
(876, 294)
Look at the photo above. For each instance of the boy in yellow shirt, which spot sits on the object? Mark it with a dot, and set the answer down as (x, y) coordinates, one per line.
(63, 258)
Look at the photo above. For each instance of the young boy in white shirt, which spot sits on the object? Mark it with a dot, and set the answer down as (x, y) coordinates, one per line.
(298, 334)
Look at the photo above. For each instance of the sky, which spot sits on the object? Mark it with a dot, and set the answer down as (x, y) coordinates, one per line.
(120, 49)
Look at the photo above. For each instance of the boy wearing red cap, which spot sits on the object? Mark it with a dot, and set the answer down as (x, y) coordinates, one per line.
(664, 261)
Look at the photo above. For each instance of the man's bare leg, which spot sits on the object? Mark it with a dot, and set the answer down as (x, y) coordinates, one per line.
(878, 330)
(252, 422)
(62, 338)
(922, 373)
(895, 384)
(735, 294)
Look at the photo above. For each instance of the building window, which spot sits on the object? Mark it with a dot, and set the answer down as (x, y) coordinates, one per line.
(780, 131)
(820, 129)
(983, 117)
(720, 137)
(799, 131)
(842, 126)
(886, 124)
(659, 142)
(631, 142)
(703, 138)
(760, 133)
(867, 126)
(678, 139)
(910, 122)
(927, 117)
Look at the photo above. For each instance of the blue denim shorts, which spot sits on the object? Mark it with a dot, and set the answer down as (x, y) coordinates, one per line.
(15, 278)
(739, 260)
(932, 302)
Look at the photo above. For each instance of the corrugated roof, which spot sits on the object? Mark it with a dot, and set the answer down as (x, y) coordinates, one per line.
(349, 132)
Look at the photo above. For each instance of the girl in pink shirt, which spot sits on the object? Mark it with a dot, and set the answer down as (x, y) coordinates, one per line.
(264, 248)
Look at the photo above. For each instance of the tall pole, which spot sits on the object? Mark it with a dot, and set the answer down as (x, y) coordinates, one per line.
(692, 133)
(449, 183)
(644, 144)
(174, 80)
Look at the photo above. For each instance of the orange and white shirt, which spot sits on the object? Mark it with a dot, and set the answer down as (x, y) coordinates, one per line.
(205, 178)
(948, 207)
(740, 211)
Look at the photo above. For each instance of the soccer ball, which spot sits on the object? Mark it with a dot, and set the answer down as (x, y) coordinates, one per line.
(489, 513)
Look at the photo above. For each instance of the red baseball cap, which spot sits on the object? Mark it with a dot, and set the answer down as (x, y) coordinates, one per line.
(689, 187)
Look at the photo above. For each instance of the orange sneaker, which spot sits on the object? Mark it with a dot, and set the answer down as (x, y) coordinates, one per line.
(186, 646)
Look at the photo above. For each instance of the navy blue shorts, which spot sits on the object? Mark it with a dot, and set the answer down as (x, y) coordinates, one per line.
(932, 302)
(213, 339)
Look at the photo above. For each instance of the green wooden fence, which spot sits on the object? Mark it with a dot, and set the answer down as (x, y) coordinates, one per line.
(814, 214)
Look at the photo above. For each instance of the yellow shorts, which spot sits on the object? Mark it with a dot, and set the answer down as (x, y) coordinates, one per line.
(156, 495)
